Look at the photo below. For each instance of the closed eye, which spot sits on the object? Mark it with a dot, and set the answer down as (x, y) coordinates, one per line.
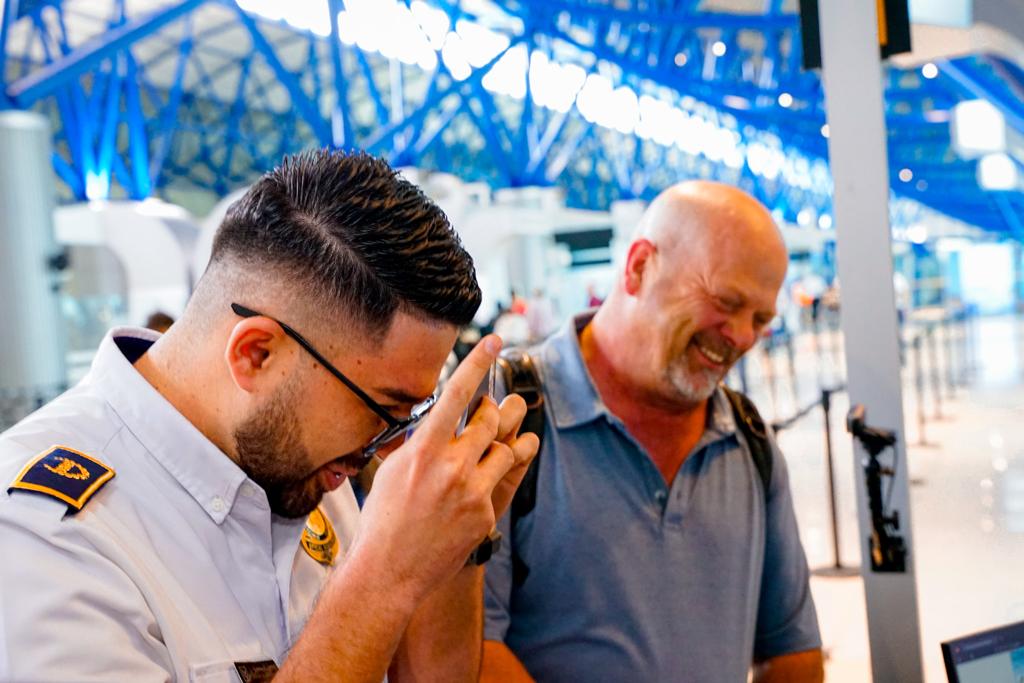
(728, 304)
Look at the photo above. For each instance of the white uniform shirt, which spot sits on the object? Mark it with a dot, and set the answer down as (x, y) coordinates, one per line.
(173, 571)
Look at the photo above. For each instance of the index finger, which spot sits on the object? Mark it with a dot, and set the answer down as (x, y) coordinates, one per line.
(447, 412)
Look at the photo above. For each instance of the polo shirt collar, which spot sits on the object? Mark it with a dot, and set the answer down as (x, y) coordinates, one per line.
(568, 384)
(574, 398)
(202, 469)
(721, 421)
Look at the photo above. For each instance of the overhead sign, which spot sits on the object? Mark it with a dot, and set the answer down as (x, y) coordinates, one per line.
(954, 13)
(893, 30)
(977, 128)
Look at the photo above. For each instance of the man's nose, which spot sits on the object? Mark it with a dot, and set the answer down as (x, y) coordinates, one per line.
(740, 332)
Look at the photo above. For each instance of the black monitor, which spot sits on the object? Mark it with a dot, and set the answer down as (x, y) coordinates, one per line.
(994, 656)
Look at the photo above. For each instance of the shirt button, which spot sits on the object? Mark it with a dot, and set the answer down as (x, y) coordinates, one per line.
(217, 504)
(247, 491)
(660, 496)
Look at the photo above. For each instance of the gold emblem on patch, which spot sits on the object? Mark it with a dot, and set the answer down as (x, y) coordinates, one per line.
(70, 469)
(318, 538)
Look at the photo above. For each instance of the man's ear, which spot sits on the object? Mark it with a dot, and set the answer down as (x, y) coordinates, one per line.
(638, 264)
(256, 350)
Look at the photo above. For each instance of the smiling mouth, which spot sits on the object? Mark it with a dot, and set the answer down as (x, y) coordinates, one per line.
(711, 355)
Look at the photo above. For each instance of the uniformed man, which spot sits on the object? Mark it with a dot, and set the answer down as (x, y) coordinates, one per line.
(184, 514)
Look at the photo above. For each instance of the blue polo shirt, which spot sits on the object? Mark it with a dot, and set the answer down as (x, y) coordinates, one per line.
(633, 580)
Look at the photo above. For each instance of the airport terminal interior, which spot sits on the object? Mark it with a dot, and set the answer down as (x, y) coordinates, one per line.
(543, 128)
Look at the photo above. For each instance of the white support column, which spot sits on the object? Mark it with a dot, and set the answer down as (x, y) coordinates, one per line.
(857, 147)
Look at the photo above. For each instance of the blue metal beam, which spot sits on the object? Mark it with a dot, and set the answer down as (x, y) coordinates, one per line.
(964, 74)
(287, 79)
(170, 112)
(434, 96)
(579, 9)
(62, 71)
(138, 142)
(68, 175)
(342, 135)
(372, 91)
(8, 14)
(233, 123)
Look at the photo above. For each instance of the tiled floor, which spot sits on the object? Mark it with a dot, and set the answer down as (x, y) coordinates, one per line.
(967, 497)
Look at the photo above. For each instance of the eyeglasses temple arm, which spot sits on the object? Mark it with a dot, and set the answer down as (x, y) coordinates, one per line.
(301, 341)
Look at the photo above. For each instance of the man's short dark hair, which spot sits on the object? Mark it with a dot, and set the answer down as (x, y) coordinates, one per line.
(350, 231)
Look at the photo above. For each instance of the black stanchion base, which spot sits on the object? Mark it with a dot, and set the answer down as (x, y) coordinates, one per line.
(832, 572)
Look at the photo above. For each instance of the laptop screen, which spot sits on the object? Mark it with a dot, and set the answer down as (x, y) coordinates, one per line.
(995, 656)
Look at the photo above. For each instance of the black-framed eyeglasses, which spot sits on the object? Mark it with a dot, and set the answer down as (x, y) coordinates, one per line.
(395, 427)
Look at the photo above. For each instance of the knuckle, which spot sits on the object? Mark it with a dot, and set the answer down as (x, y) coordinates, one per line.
(506, 453)
(514, 402)
(459, 392)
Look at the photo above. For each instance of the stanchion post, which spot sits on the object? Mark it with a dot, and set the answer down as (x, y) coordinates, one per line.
(791, 363)
(970, 341)
(769, 376)
(961, 339)
(919, 390)
(826, 408)
(837, 570)
(933, 361)
(950, 373)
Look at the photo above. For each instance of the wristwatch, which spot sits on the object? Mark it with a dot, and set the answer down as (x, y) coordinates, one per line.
(486, 550)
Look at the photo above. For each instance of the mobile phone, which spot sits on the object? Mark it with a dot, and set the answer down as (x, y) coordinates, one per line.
(486, 388)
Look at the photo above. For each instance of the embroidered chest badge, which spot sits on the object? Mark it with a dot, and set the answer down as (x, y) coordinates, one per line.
(318, 538)
(65, 474)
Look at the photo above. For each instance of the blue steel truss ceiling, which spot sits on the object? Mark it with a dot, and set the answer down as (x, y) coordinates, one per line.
(623, 97)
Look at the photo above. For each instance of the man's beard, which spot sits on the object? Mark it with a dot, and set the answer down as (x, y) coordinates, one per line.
(270, 449)
(696, 384)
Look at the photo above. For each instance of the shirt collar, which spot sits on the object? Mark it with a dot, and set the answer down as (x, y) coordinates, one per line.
(721, 421)
(201, 468)
(574, 398)
(568, 384)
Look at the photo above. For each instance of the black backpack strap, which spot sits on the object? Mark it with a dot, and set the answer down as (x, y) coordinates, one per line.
(521, 377)
(749, 421)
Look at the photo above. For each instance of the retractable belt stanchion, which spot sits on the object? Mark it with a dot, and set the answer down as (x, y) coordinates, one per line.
(950, 374)
(933, 361)
(972, 347)
(922, 440)
(791, 365)
(836, 569)
(961, 343)
(768, 370)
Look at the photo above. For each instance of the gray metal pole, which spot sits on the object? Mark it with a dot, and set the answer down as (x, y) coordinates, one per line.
(919, 388)
(934, 371)
(858, 154)
(947, 337)
(32, 366)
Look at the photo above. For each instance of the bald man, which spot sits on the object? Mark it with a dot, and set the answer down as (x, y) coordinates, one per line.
(657, 549)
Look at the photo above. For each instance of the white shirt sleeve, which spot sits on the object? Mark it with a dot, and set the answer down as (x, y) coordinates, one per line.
(67, 613)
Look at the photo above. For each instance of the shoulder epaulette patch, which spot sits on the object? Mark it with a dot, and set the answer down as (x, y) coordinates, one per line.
(65, 474)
